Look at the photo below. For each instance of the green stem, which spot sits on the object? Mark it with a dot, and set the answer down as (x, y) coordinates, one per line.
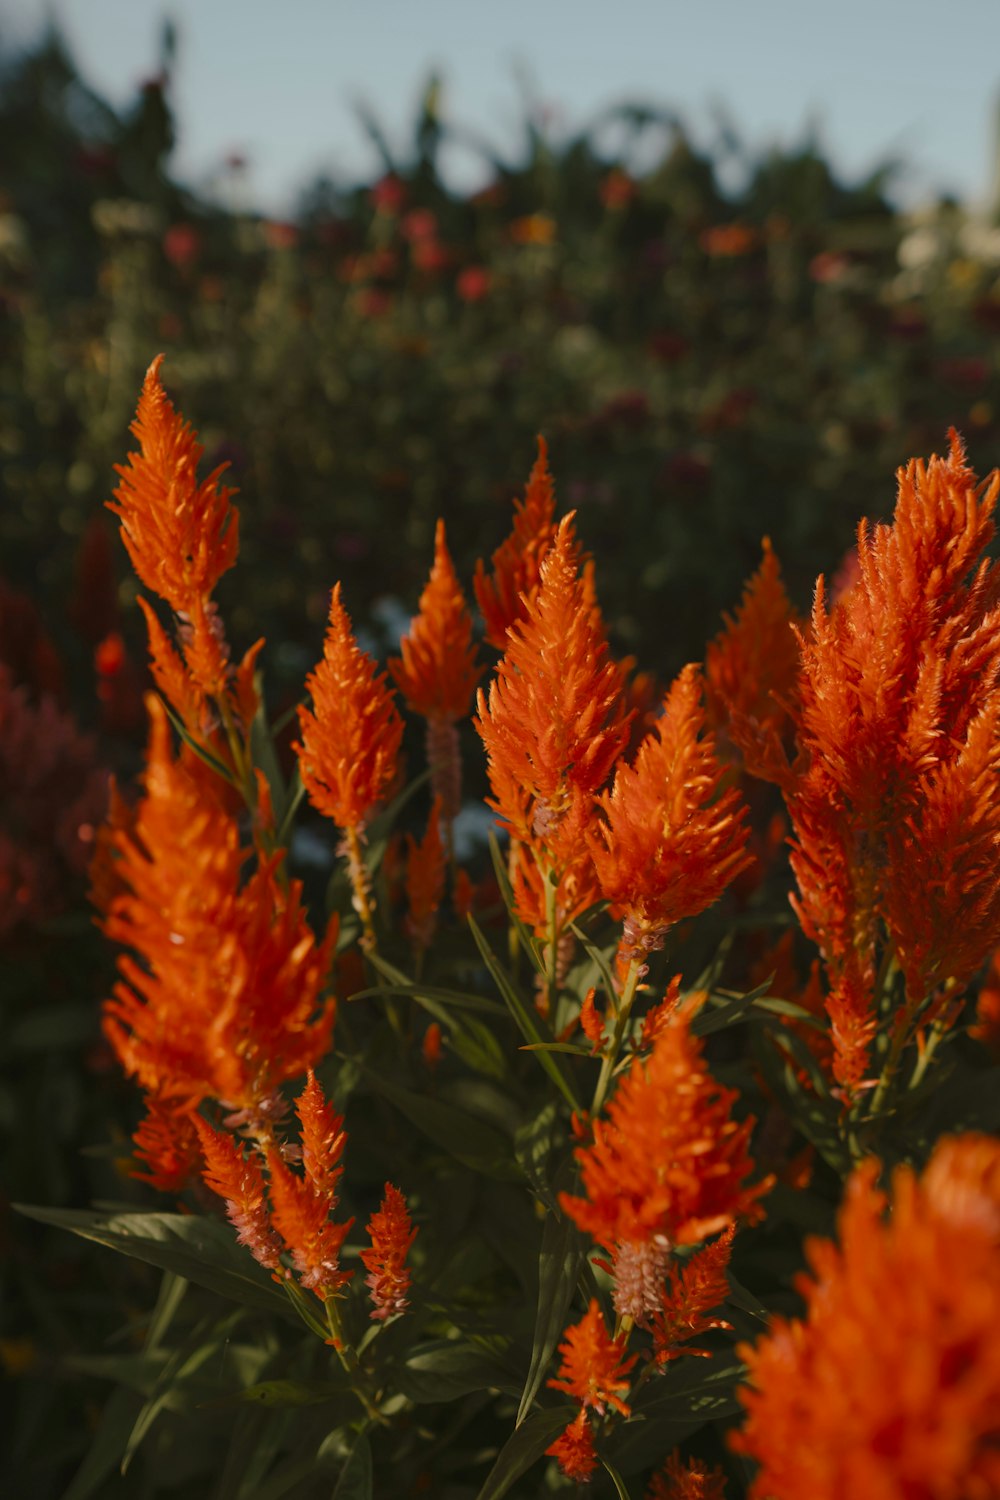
(611, 1056)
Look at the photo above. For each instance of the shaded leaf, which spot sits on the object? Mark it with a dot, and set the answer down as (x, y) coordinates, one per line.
(559, 1264)
(525, 1446)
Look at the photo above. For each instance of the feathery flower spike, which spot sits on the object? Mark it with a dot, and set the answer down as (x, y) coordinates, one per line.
(594, 1369)
(691, 1480)
(391, 1235)
(695, 1289)
(437, 672)
(669, 842)
(574, 1448)
(301, 1205)
(667, 1166)
(517, 561)
(889, 1386)
(239, 1181)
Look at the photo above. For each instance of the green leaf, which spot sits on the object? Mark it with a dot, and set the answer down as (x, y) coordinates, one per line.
(601, 961)
(202, 1250)
(183, 1363)
(447, 1369)
(534, 1144)
(293, 801)
(527, 939)
(206, 755)
(573, 1048)
(524, 1447)
(530, 1029)
(677, 1405)
(355, 1482)
(264, 755)
(424, 993)
(616, 1480)
(291, 1392)
(104, 1455)
(559, 1264)
(172, 1289)
(470, 1140)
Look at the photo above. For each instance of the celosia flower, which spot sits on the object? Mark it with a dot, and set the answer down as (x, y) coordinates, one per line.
(222, 997)
(669, 842)
(594, 1369)
(437, 673)
(517, 561)
(301, 1205)
(167, 1146)
(889, 1387)
(574, 1448)
(425, 873)
(391, 1235)
(695, 1288)
(668, 1166)
(181, 535)
(350, 737)
(239, 1181)
(691, 1480)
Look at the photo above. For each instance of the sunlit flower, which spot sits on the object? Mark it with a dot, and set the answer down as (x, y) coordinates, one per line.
(667, 1166)
(594, 1369)
(889, 1386)
(695, 1289)
(517, 561)
(238, 1179)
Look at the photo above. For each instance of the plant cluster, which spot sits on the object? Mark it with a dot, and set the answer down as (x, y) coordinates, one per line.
(588, 1097)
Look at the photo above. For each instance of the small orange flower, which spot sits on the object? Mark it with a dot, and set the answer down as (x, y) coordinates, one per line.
(351, 736)
(239, 1181)
(391, 1235)
(301, 1206)
(594, 1369)
(668, 1166)
(517, 561)
(574, 1448)
(167, 1146)
(889, 1387)
(436, 670)
(696, 1287)
(669, 842)
(691, 1480)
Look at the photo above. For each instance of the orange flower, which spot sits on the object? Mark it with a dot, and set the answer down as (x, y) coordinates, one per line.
(594, 1369)
(668, 1166)
(301, 1206)
(425, 872)
(517, 561)
(751, 668)
(222, 997)
(575, 1450)
(692, 1480)
(669, 843)
(166, 1144)
(180, 535)
(239, 1181)
(351, 736)
(437, 673)
(391, 1235)
(889, 1387)
(695, 1288)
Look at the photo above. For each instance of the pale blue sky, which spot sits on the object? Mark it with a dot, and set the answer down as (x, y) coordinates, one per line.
(275, 78)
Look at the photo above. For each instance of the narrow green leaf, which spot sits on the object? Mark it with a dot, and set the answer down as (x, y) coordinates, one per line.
(183, 1363)
(558, 1269)
(172, 1289)
(600, 961)
(573, 1048)
(202, 1250)
(616, 1480)
(264, 754)
(293, 801)
(447, 1369)
(530, 1029)
(291, 1392)
(355, 1482)
(192, 744)
(424, 993)
(534, 1144)
(527, 939)
(104, 1455)
(524, 1447)
(470, 1140)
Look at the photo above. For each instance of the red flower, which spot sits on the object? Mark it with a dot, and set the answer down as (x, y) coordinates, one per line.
(575, 1450)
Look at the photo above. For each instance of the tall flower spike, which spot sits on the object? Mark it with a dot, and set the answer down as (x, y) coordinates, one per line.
(181, 535)
(668, 1166)
(437, 672)
(695, 1289)
(594, 1368)
(323, 1138)
(517, 561)
(351, 736)
(669, 842)
(574, 1449)
(239, 1181)
(889, 1387)
(301, 1206)
(391, 1235)
(691, 1480)
(222, 997)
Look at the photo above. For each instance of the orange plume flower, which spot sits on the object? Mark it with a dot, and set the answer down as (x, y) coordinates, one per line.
(517, 561)
(697, 1287)
(181, 535)
(668, 1166)
(323, 1138)
(691, 1480)
(239, 1181)
(669, 842)
(221, 999)
(437, 672)
(425, 873)
(594, 1369)
(351, 736)
(167, 1146)
(574, 1448)
(889, 1387)
(301, 1205)
(391, 1235)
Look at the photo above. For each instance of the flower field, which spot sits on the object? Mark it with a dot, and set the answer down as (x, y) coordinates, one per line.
(550, 1047)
